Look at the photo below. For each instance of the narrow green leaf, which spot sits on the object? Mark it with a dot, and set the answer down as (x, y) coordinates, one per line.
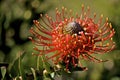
(38, 62)
(34, 73)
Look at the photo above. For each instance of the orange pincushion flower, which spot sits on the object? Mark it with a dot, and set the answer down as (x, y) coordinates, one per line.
(72, 38)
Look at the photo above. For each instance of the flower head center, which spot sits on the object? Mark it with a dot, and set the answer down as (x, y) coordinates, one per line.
(73, 28)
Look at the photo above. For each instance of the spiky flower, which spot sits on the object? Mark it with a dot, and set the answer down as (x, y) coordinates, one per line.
(68, 38)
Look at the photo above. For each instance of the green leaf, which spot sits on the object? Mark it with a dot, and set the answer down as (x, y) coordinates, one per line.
(17, 58)
(16, 67)
(3, 72)
(34, 73)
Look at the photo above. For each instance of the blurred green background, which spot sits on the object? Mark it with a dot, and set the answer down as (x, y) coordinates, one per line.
(16, 18)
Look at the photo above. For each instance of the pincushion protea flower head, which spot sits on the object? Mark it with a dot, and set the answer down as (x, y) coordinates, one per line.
(70, 38)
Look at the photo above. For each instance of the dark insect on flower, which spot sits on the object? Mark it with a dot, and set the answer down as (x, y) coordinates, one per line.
(68, 39)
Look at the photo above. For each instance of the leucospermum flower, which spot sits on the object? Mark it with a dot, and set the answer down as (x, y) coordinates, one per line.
(69, 38)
